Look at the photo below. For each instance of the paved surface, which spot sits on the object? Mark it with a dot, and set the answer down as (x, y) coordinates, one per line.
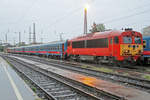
(122, 91)
(12, 87)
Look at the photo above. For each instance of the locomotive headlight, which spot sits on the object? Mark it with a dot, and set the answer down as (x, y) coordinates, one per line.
(126, 51)
(142, 50)
(129, 46)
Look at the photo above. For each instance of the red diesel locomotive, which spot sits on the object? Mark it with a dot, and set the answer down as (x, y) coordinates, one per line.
(107, 47)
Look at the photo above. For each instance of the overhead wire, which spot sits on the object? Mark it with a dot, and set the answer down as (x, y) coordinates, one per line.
(27, 11)
(62, 18)
(131, 15)
(127, 16)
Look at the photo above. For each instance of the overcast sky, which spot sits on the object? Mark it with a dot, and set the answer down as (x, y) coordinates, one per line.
(55, 16)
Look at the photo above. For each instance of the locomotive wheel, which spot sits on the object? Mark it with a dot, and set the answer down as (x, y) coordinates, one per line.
(118, 63)
(112, 62)
(97, 60)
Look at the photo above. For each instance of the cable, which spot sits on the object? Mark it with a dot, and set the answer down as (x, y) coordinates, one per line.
(128, 16)
(65, 16)
(27, 11)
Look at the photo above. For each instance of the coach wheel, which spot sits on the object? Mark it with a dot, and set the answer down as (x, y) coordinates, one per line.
(145, 62)
(112, 61)
(119, 63)
(65, 57)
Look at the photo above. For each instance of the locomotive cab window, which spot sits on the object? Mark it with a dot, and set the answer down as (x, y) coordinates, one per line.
(116, 40)
(127, 39)
(137, 40)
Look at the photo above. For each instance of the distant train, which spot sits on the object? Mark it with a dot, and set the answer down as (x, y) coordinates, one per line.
(52, 50)
(113, 47)
(146, 52)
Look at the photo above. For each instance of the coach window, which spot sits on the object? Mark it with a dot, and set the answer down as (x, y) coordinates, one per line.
(116, 40)
(149, 44)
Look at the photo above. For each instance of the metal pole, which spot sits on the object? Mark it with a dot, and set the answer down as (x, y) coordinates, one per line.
(85, 21)
(42, 36)
(34, 35)
(61, 39)
(6, 37)
(14, 42)
(19, 38)
(0, 41)
(29, 35)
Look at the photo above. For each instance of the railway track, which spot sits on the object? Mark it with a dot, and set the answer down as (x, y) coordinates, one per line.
(125, 80)
(54, 87)
(140, 69)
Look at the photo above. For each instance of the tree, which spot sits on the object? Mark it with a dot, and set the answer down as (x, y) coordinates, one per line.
(97, 28)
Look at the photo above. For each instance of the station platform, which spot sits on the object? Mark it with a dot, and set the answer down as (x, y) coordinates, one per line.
(12, 87)
(115, 89)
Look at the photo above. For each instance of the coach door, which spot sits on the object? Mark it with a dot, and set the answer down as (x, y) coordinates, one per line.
(23, 50)
(111, 46)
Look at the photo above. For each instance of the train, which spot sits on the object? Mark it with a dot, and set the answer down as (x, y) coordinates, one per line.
(54, 49)
(146, 52)
(112, 47)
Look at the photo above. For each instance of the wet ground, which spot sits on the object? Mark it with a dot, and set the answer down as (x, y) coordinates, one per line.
(12, 87)
(128, 93)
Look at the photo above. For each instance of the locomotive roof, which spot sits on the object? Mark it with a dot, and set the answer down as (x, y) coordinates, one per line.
(146, 37)
(105, 34)
(98, 34)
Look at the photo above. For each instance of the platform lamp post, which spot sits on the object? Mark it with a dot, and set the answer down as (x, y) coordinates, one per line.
(85, 18)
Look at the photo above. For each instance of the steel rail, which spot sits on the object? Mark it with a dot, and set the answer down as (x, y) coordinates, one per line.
(85, 89)
(136, 82)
